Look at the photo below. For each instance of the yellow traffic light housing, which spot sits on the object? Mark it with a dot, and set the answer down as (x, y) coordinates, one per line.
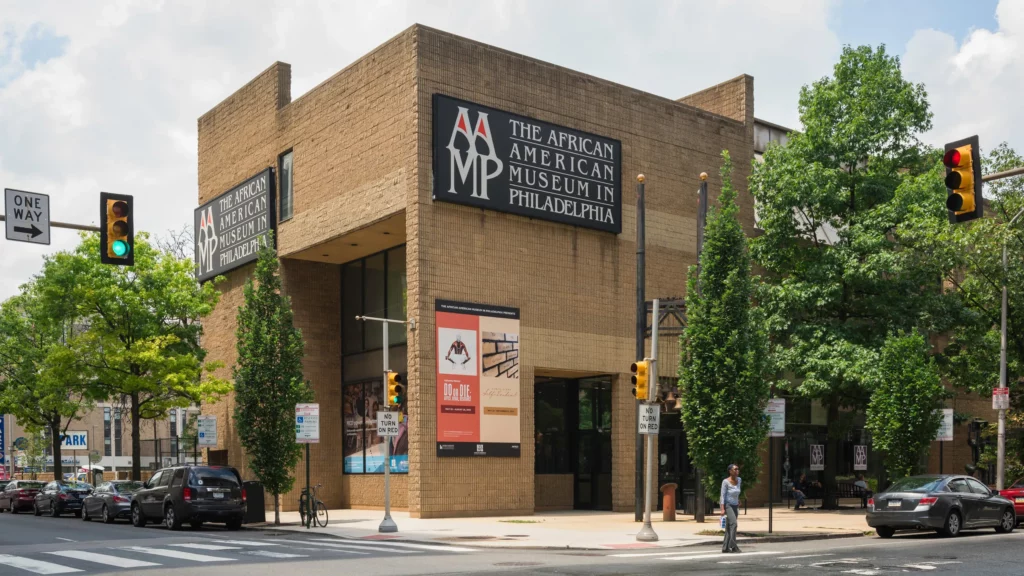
(117, 231)
(396, 391)
(639, 379)
(963, 180)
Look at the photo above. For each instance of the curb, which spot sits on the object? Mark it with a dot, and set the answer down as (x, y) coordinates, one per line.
(790, 538)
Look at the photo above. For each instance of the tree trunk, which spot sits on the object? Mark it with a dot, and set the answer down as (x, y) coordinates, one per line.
(58, 469)
(277, 509)
(136, 439)
(830, 501)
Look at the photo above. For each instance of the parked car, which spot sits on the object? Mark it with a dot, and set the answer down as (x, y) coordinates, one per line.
(110, 500)
(19, 495)
(192, 494)
(60, 497)
(1016, 494)
(945, 503)
(3, 484)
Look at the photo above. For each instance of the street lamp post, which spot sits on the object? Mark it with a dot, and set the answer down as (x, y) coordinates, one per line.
(1001, 444)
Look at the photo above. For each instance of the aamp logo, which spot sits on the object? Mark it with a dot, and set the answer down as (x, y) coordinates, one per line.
(474, 165)
(206, 241)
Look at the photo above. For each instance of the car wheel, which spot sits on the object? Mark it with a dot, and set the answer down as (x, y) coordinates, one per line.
(234, 524)
(196, 524)
(138, 518)
(171, 519)
(1008, 522)
(885, 531)
(107, 518)
(35, 509)
(84, 514)
(953, 524)
(54, 511)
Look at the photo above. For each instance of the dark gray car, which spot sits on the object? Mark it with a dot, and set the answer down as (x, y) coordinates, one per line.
(945, 503)
(110, 500)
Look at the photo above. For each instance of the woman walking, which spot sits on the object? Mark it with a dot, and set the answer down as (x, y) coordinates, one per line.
(730, 499)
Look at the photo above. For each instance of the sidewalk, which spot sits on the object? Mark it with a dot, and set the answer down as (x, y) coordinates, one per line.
(579, 529)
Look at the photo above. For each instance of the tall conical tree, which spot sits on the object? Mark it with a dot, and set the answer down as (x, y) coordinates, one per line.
(268, 379)
(723, 360)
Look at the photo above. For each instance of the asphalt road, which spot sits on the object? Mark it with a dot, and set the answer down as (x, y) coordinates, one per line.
(31, 545)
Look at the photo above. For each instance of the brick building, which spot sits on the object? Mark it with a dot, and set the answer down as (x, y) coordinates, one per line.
(479, 193)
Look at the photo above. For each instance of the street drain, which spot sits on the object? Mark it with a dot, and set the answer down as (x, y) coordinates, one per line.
(517, 535)
(519, 564)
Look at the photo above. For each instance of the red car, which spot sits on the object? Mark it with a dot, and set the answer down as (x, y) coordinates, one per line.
(19, 495)
(1016, 494)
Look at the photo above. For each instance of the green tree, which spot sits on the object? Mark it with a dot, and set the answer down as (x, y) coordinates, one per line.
(35, 453)
(907, 392)
(144, 333)
(722, 369)
(268, 379)
(846, 207)
(971, 360)
(41, 381)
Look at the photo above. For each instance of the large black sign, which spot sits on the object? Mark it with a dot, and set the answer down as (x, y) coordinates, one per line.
(230, 228)
(492, 159)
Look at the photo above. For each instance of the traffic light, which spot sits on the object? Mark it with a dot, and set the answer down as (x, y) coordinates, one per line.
(117, 232)
(963, 180)
(396, 392)
(639, 379)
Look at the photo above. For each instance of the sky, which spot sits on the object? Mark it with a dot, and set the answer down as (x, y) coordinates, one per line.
(104, 96)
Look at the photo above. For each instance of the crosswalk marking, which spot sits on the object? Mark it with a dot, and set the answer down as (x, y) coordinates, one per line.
(655, 554)
(716, 555)
(179, 554)
(392, 543)
(272, 554)
(803, 556)
(333, 546)
(245, 542)
(212, 547)
(35, 566)
(103, 559)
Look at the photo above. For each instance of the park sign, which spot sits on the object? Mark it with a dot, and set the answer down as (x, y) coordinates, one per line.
(74, 441)
(488, 158)
(231, 228)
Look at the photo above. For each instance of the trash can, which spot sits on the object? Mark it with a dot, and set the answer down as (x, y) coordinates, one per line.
(255, 503)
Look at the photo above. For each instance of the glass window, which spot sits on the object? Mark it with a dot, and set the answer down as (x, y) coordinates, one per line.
(551, 441)
(285, 189)
(978, 487)
(374, 299)
(214, 476)
(352, 301)
(956, 485)
(155, 480)
(106, 431)
(117, 433)
(917, 484)
(363, 450)
(396, 294)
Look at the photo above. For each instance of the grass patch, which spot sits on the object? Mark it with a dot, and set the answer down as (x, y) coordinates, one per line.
(521, 521)
(711, 533)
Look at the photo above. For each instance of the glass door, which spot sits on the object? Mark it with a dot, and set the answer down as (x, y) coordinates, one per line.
(593, 490)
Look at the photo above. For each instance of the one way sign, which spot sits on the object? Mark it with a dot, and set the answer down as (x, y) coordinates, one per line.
(27, 216)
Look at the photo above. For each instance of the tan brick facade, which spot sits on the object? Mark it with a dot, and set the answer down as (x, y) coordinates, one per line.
(362, 183)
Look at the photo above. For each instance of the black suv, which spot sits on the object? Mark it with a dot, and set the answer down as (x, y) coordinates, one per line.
(192, 494)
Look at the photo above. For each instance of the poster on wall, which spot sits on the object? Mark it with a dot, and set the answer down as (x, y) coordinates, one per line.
(817, 457)
(860, 457)
(488, 158)
(478, 395)
(945, 431)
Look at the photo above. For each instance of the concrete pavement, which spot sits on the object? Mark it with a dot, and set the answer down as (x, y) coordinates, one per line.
(583, 530)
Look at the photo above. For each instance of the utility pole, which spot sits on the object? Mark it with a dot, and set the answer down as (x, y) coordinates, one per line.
(1001, 446)
(641, 330)
(702, 219)
(647, 533)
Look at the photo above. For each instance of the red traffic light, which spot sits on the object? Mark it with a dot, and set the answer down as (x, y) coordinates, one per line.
(952, 160)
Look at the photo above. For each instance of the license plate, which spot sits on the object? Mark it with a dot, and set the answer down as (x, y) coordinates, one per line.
(895, 503)
(1019, 500)
(218, 494)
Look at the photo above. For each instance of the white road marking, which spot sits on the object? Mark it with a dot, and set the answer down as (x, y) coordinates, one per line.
(272, 554)
(245, 542)
(65, 539)
(804, 556)
(103, 559)
(328, 546)
(178, 554)
(212, 547)
(919, 566)
(654, 554)
(717, 555)
(864, 571)
(35, 566)
(392, 543)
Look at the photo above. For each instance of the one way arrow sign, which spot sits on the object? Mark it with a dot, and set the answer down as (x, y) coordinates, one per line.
(27, 216)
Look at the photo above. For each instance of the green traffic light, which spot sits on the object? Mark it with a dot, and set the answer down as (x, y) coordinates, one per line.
(119, 248)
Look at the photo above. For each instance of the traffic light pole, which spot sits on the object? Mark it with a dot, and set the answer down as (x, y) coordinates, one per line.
(702, 220)
(641, 330)
(647, 533)
(67, 225)
(388, 524)
(1001, 445)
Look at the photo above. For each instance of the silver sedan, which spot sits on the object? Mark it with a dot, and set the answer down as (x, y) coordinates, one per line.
(944, 503)
(110, 500)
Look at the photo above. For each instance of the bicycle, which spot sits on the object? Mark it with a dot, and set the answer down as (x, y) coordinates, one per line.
(319, 512)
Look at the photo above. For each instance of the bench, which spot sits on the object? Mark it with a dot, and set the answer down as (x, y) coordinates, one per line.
(842, 490)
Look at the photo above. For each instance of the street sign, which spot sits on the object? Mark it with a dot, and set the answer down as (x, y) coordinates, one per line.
(776, 413)
(27, 216)
(945, 432)
(307, 423)
(387, 423)
(207, 428)
(649, 420)
(1000, 398)
(860, 457)
(817, 457)
(74, 441)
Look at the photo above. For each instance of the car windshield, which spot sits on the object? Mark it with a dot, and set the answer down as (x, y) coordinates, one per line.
(917, 484)
(1018, 484)
(76, 486)
(29, 484)
(127, 487)
(216, 477)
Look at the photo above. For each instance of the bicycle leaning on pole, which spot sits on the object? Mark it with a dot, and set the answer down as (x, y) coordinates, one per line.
(315, 513)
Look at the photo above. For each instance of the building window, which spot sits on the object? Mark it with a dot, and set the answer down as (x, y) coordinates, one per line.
(363, 449)
(117, 433)
(174, 432)
(285, 189)
(373, 286)
(106, 431)
(551, 439)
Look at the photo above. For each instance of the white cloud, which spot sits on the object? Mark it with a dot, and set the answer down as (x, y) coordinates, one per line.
(973, 87)
(117, 110)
